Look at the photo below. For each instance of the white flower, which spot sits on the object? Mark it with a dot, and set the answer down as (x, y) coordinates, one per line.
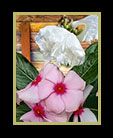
(85, 114)
(90, 31)
(58, 44)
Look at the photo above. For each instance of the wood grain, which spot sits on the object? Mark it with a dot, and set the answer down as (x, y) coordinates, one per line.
(34, 46)
(46, 18)
(35, 27)
(25, 40)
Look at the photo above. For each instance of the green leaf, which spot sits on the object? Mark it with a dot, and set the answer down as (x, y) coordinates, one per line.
(89, 69)
(20, 110)
(25, 71)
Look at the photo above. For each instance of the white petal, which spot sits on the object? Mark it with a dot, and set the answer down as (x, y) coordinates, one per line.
(90, 31)
(18, 100)
(75, 119)
(88, 116)
(86, 92)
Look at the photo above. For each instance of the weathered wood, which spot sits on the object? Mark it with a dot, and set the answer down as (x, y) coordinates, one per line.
(35, 27)
(25, 40)
(45, 18)
(35, 47)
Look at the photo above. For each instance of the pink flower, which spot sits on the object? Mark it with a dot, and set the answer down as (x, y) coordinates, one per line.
(62, 94)
(30, 93)
(97, 93)
(85, 114)
(38, 113)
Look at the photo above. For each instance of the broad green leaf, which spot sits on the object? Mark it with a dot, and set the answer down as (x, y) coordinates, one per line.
(89, 69)
(25, 71)
(20, 110)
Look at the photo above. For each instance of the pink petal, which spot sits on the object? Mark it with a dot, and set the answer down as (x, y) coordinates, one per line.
(45, 89)
(54, 103)
(46, 67)
(30, 105)
(27, 117)
(30, 117)
(88, 116)
(53, 74)
(62, 117)
(29, 95)
(73, 81)
(97, 93)
(40, 120)
(72, 100)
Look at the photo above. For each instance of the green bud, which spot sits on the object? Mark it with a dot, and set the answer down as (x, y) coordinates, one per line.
(71, 30)
(65, 26)
(65, 22)
(70, 22)
(74, 30)
(62, 21)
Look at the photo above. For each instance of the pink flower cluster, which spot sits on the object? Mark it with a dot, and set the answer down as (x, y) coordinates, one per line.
(51, 96)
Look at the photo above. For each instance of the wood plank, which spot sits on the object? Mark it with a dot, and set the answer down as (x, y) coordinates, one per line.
(35, 47)
(45, 18)
(35, 27)
(25, 40)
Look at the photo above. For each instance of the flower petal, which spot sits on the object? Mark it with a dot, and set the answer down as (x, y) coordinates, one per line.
(75, 119)
(62, 117)
(53, 74)
(27, 117)
(74, 81)
(54, 103)
(46, 68)
(30, 117)
(97, 93)
(45, 88)
(30, 105)
(18, 100)
(29, 95)
(72, 100)
(86, 92)
(88, 116)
